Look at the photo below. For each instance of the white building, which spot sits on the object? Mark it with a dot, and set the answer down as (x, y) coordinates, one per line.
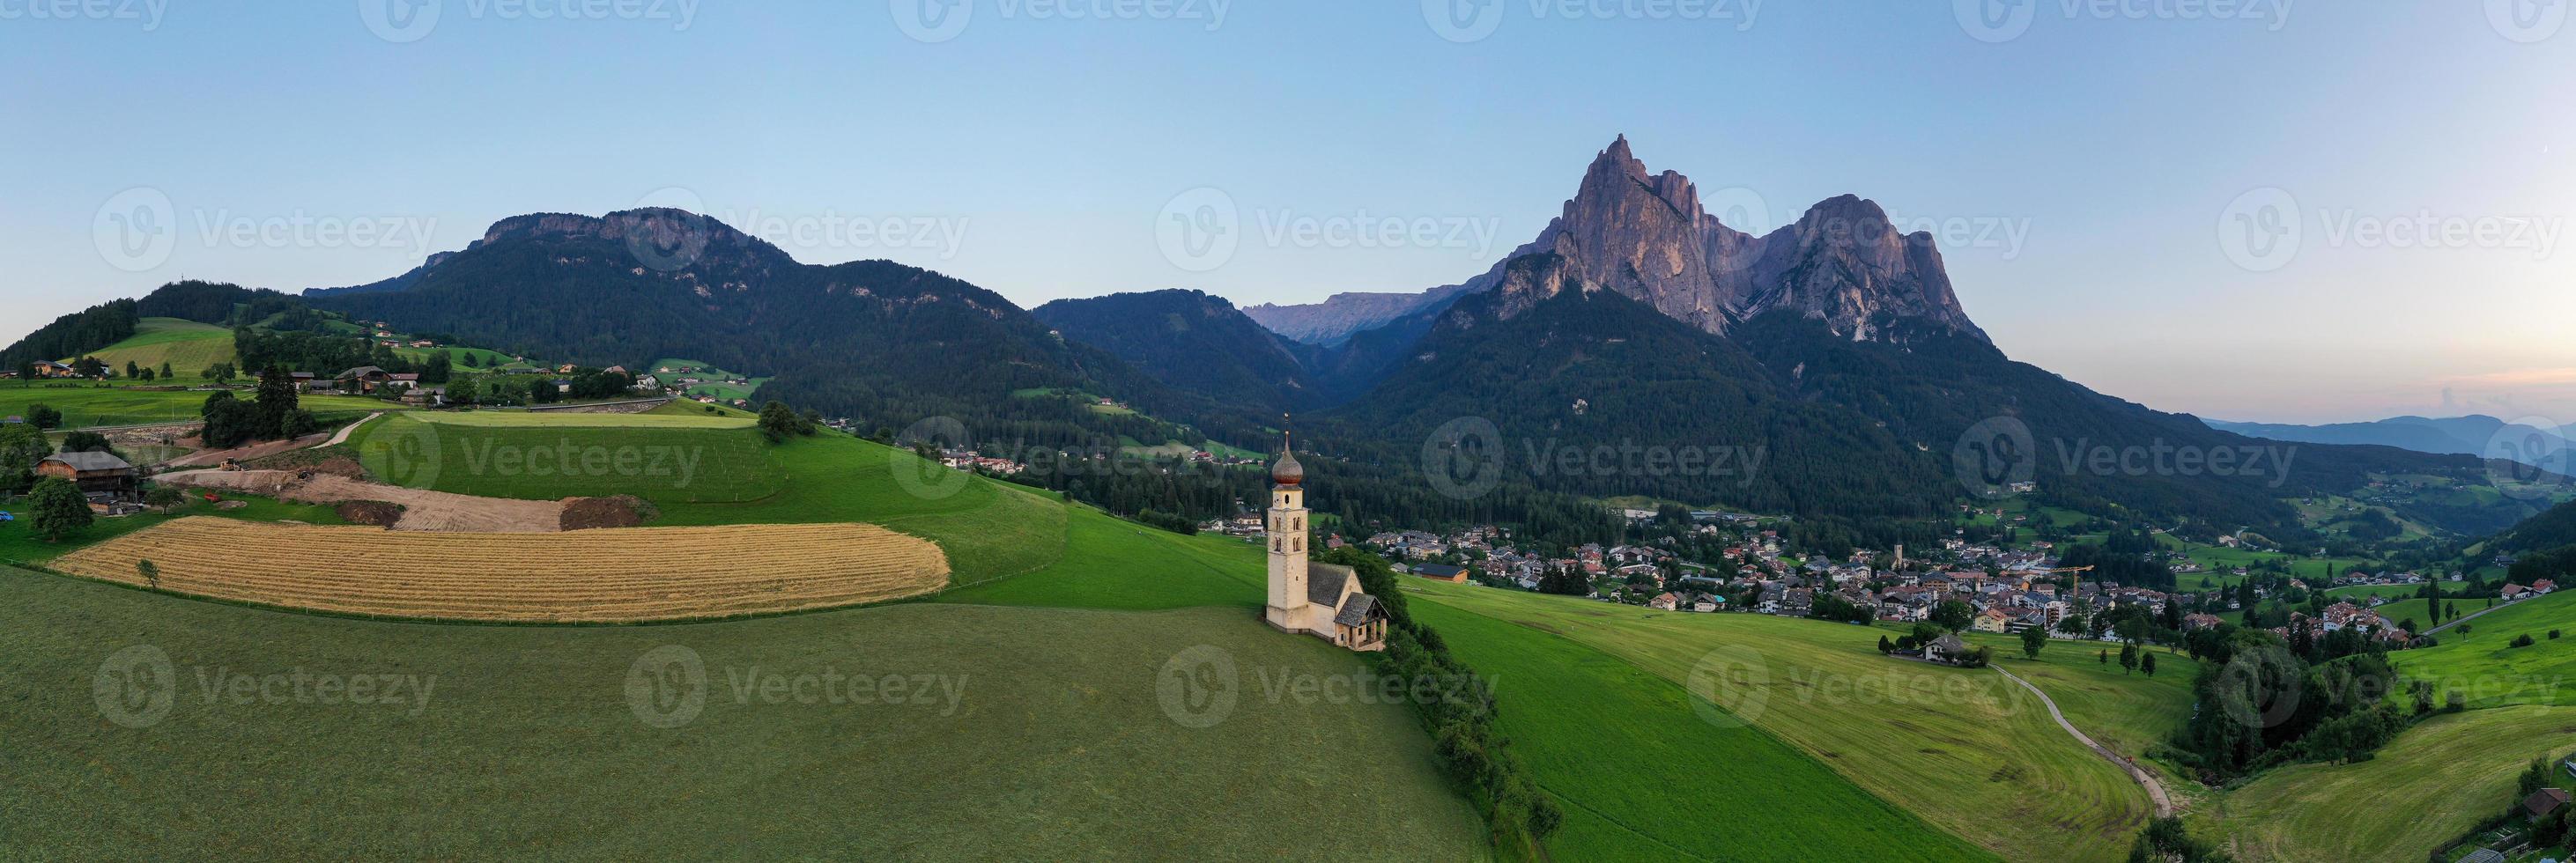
(1322, 600)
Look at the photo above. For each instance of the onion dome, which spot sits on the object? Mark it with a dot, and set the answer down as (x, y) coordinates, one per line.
(1288, 471)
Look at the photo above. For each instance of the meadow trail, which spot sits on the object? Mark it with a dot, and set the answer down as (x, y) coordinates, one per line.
(2155, 789)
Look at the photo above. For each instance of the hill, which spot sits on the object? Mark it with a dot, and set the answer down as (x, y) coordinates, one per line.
(1194, 342)
(2476, 435)
(873, 339)
(2430, 786)
(188, 347)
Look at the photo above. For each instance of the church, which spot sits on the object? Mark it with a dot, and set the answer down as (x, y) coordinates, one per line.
(1319, 599)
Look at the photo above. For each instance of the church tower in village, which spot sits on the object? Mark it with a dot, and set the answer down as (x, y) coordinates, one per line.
(1322, 599)
(1287, 530)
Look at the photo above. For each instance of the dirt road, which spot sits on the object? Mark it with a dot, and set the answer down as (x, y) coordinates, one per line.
(2155, 789)
(422, 510)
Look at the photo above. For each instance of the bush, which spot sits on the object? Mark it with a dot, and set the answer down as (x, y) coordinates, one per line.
(2523, 640)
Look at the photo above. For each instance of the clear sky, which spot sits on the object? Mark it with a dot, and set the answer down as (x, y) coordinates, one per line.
(2202, 206)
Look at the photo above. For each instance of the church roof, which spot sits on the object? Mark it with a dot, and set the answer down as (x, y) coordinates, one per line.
(1324, 583)
(1357, 612)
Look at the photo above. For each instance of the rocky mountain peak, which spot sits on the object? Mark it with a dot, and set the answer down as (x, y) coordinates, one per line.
(1645, 236)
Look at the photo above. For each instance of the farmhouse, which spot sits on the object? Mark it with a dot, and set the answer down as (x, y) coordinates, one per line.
(1947, 648)
(1443, 572)
(1322, 600)
(46, 369)
(106, 480)
(2543, 802)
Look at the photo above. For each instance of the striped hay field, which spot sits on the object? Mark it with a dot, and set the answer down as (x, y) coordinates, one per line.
(589, 576)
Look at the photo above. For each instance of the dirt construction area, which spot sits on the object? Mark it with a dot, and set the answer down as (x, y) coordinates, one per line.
(615, 575)
(435, 511)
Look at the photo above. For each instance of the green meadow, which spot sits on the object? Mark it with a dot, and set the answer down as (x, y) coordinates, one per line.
(189, 347)
(542, 457)
(2485, 667)
(1007, 733)
(85, 405)
(19, 543)
(1953, 746)
(2432, 784)
(715, 377)
(563, 419)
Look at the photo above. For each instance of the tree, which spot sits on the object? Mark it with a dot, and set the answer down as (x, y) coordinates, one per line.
(2534, 778)
(2032, 640)
(163, 497)
(60, 510)
(461, 391)
(151, 573)
(543, 392)
(44, 416)
(438, 370)
(2106, 656)
(22, 446)
(276, 403)
(1886, 646)
(2128, 658)
(132, 373)
(777, 421)
(2147, 663)
(166, 373)
(1953, 615)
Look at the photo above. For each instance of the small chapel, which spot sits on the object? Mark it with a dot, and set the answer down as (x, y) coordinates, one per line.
(1319, 599)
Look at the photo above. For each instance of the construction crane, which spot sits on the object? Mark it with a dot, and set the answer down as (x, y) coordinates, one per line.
(2078, 572)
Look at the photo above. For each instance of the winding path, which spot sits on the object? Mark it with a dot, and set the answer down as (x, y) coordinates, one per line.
(2155, 789)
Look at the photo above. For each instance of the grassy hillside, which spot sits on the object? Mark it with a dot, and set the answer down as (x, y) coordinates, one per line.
(2434, 783)
(1037, 734)
(84, 406)
(2482, 666)
(1964, 749)
(667, 460)
(1642, 776)
(715, 379)
(189, 347)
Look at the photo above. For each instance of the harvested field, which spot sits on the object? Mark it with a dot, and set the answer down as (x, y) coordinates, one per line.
(617, 575)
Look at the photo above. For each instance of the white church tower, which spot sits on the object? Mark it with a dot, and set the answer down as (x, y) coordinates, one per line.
(1287, 530)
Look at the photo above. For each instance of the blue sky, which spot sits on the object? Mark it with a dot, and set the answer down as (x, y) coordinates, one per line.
(2086, 163)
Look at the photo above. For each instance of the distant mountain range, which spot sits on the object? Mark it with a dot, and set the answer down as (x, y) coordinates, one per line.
(2476, 435)
(1829, 363)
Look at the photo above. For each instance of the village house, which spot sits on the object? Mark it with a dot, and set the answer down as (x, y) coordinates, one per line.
(109, 483)
(1945, 649)
(1442, 572)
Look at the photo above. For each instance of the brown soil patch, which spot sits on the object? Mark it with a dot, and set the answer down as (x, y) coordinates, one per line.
(375, 512)
(422, 510)
(620, 575)
(594, 513)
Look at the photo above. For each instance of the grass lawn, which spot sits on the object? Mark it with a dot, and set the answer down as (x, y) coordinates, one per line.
(85, 405)
(2489, 673)
(1013, 733)
(2429, 786)
(189, 347)
(1964, 749)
